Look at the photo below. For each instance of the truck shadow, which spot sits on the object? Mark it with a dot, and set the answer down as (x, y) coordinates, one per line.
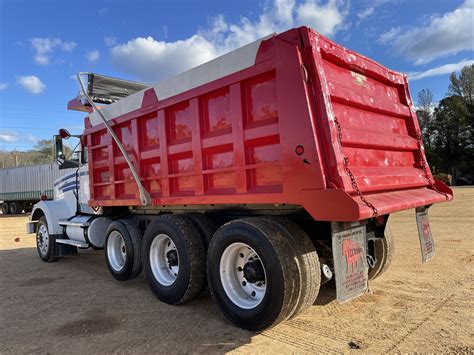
(75, 304)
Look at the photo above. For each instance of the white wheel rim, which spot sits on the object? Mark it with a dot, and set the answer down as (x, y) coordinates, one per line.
(42, 238)
(244, 293)
(164, 260)
(116, 251)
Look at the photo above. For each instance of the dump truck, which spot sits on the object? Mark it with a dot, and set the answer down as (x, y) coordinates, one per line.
(22, 187)
(261, 175)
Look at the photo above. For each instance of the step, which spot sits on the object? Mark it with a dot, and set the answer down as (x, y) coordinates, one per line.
(72, 242)
(74, 224)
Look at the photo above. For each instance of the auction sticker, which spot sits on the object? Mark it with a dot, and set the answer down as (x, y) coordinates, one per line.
(424, 233)
(350, 264)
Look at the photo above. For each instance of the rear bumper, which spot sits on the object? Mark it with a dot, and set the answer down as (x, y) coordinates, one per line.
(337, 205)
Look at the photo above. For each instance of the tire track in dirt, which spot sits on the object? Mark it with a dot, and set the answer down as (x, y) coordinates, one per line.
(417, 326)
(328, 333)
(306, 345)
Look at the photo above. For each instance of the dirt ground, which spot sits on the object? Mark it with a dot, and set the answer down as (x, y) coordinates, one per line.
(75, 306)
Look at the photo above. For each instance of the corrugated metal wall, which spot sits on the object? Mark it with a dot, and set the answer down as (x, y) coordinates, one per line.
(29, 181)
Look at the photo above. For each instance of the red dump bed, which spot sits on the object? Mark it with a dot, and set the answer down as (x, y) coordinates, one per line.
(306, 123)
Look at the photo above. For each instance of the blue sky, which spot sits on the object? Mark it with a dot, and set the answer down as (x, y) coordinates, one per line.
(44, 43)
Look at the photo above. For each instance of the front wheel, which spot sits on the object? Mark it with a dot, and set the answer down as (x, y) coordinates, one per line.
(45, 242)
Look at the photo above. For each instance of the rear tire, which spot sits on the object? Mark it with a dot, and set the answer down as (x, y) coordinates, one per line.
(14, 208)
(123, 250)
(247, 297)
(173, 259)
(384, 252)
(308, 263)
(5, 209)
(45, 242)
(205, 225)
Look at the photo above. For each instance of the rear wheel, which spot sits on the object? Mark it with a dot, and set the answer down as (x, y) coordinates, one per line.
(384, 249)
(308, 263)
(173, 259)
(14, 208)
(45, 243)
(123, 250)
(205, 225)
(255, 273)
(5, 209)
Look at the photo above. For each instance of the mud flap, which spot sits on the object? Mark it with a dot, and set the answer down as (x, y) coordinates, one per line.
(424, 233)
(350, 262)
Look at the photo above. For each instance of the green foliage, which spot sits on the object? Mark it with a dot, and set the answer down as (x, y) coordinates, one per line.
(42, 153)
(448, 132)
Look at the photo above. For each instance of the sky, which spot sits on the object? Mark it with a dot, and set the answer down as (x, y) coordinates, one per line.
(43, 44)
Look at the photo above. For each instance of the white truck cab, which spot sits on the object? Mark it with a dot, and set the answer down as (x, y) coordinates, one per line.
(67, 222)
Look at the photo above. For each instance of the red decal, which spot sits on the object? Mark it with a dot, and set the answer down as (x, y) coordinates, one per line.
(426, 230)
(353, 253)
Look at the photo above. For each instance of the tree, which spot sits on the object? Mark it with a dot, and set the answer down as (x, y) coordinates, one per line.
(448, 128)
(463, 85)
(452, 136)
(425, 115)
(42, 153)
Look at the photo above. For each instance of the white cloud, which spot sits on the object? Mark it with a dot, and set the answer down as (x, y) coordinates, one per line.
(8, 137)
(44, 48)
(32, 84)
(443, 35)
(325, 18)
(441, 70)
(31, 138)
(3, 86)
(110, 41)
(93, 56)
(362, 15)
(150, 60)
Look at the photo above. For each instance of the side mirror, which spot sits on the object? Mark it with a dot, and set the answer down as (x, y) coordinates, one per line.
(58, 148)
(59, 155)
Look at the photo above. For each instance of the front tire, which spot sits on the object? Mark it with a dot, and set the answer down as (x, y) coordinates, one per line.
(173, 259)
(45, 243)
(123, 250)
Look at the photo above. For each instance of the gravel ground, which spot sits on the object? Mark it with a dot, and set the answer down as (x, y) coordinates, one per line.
(75, 306)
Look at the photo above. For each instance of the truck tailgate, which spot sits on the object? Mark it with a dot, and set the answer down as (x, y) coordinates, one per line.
(369, 130)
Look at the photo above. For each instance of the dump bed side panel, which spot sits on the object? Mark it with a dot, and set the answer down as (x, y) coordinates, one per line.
(229, 141)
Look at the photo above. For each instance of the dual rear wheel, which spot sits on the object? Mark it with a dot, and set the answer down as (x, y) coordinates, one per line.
(260, 271)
